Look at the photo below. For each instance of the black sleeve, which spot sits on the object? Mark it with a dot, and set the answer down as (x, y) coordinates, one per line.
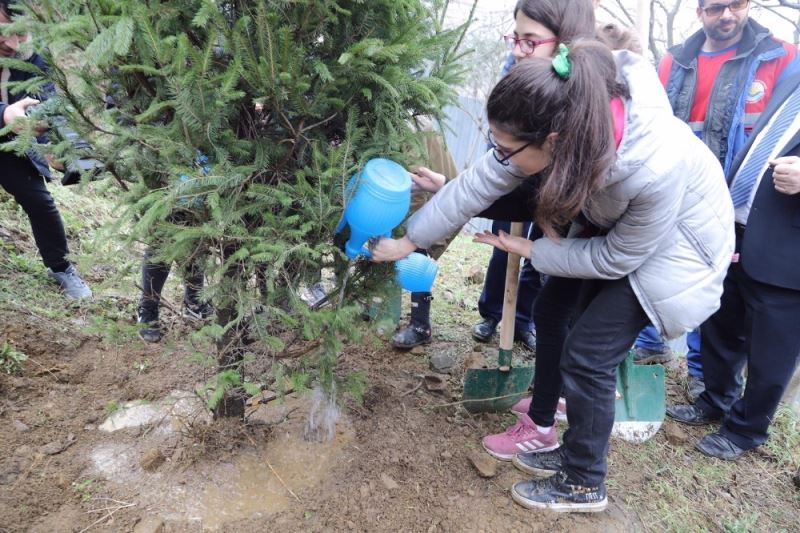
(517, 206)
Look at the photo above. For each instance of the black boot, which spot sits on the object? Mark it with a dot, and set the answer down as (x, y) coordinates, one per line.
(150, 329)
(418, 330)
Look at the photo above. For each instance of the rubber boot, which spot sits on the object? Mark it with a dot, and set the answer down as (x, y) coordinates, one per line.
(154, 275)
(418, 330)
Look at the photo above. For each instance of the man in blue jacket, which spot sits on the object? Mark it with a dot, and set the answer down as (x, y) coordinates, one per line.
(24, 177)
(719, 81)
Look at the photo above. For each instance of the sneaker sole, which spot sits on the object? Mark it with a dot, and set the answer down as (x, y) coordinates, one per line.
(410, 346)
(594, 507)
(498, 456)
(149, 341)
(536, 472)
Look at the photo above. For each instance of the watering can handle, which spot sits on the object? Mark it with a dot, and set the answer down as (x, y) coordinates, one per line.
(509, 304)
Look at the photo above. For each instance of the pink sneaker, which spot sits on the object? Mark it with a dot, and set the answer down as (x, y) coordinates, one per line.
(522, 407)
(522, 437)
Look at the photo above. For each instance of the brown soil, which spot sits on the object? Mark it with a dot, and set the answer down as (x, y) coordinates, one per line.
(403, 466)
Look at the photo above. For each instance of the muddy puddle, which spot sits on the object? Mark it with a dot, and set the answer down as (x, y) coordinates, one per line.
(269, 482)
(255, 483)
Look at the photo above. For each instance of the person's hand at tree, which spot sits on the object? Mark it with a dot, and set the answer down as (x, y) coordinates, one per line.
(54, 163)
(13, 112)
(385, 249)
(506, 242)
(786, 174)
(425, 179)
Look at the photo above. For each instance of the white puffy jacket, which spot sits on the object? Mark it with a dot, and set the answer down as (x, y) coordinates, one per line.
(665, 206)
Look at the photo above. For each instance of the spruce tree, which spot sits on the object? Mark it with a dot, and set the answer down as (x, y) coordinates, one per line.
(248, 118)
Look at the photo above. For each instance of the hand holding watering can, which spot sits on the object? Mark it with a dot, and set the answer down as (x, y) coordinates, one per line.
(379, 198)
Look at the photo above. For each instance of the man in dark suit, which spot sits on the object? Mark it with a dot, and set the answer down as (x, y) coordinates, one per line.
(757, 323)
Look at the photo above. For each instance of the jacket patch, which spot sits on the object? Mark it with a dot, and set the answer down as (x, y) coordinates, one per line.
(757, 91)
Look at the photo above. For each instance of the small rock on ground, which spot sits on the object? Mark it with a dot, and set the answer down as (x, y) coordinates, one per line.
(442, 363)
(388, 482)
(675, 434)
(476, 274)
(20, 426)
(475, 360)
(151, 460)
(485, 465)
(54, 448)
(149, 524)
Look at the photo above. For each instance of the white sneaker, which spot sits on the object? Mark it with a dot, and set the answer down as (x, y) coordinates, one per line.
(71, 283)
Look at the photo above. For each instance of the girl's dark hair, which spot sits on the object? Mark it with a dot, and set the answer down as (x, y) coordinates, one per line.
(567, 19)
(533, 101)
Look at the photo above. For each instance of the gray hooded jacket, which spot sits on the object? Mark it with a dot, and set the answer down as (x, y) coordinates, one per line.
(665, 208)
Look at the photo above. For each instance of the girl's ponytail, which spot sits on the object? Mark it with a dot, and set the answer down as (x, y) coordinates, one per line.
(568, 95)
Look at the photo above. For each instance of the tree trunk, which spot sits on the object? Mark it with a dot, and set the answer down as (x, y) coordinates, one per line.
(229, 346)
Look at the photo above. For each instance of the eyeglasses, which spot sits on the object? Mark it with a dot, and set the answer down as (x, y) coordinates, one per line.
(716, 10)
(526, 46)
(499, 155)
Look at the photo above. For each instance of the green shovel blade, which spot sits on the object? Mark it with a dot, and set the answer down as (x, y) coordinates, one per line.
(493, 390)
(641, 400)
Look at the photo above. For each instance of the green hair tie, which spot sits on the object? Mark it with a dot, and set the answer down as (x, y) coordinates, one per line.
(561, 63)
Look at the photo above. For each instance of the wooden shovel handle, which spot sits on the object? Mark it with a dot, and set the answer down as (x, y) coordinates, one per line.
(510, 298)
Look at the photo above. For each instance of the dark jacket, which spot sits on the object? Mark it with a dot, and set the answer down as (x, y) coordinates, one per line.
(745, 81)
(771, 245)
(36, 159)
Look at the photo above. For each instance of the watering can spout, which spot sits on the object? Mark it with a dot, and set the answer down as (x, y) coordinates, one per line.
(355, 245)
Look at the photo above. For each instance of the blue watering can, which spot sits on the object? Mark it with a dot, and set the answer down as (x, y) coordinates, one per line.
(379, 198)
(416, 273)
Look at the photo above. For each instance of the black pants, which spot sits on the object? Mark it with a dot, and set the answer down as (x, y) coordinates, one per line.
(553, 313)
(609, 319)
(490, 303)
(154, 275)
(22, 181)
(757, 326)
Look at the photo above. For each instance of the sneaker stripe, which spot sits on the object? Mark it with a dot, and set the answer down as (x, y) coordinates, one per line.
(532, 445)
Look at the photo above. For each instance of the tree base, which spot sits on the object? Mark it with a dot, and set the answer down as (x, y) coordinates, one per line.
(231, 406)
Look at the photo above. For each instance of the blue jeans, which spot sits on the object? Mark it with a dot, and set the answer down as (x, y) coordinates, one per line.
(649, 339)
